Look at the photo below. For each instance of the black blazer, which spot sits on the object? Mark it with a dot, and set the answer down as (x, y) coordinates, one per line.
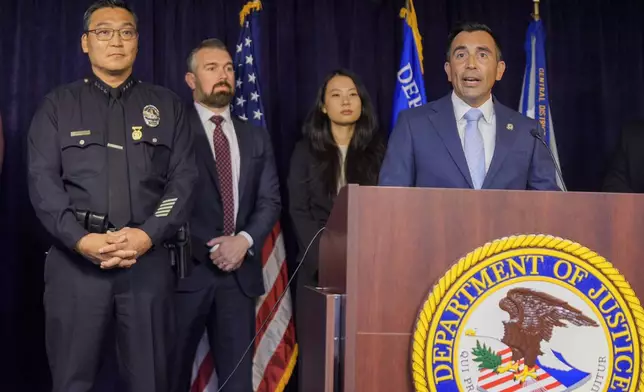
(310, 204)
(626, 173)
(259, 200)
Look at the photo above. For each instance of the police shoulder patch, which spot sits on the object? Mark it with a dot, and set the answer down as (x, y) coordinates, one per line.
(530, 313)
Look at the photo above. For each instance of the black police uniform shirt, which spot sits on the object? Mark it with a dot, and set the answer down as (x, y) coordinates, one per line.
(67, 146)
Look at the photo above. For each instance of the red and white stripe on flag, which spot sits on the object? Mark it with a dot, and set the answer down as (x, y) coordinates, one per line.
(275, 347)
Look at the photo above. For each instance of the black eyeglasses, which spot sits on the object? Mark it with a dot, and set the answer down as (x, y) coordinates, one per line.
(105, 34)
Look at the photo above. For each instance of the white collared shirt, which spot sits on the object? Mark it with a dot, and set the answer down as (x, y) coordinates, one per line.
(487, 125)
(205, 115)
(342, 180)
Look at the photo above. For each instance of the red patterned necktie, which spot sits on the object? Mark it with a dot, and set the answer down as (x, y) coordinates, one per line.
(225, 173)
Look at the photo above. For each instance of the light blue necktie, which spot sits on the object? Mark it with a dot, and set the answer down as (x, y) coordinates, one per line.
(474, 148)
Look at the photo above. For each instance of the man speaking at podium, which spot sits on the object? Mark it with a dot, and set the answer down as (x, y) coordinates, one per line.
(468, 139)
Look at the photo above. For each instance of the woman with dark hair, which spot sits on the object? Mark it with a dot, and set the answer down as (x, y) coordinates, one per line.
(341, 145)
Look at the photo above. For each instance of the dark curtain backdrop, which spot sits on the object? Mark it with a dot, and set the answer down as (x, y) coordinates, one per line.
(595, 52)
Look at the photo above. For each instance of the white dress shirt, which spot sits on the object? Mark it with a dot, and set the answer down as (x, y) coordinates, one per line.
(487, 125)
(342, 180)
(205, 115)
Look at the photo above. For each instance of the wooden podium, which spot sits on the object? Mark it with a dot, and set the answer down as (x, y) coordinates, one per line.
(384, 248)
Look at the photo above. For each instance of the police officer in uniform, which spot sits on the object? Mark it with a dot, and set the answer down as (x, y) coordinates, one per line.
(111, 172)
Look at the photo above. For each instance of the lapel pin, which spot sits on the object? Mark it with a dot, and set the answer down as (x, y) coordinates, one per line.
(509, 127)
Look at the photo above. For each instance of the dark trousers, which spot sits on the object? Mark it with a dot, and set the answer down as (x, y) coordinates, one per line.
(211, 300)
(83, 302)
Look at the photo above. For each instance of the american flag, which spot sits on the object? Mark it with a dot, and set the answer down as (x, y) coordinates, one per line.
(275, 347)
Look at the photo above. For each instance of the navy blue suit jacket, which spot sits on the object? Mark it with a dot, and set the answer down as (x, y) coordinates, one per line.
(425, 150)
(259, 202)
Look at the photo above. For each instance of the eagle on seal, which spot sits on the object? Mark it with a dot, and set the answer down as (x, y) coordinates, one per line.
(533, 316)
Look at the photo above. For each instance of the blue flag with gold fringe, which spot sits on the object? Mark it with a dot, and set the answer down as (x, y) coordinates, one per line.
(410, 87)
(535, 99)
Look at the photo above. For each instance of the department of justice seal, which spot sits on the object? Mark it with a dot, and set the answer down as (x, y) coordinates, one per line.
(530, 313)
(151, 116)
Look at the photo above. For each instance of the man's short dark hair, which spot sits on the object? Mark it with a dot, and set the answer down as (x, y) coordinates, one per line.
(470, 28)
(100, 4)
(210, 43)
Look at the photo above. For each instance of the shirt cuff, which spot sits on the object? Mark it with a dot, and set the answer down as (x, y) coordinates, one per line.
(248, 237)
(250, 241)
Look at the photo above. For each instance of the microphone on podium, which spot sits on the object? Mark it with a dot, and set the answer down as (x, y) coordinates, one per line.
(537, 135)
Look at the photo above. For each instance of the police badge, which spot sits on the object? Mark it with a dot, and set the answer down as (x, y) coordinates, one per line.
(151, 116)
(530, 313)
(136, 133)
